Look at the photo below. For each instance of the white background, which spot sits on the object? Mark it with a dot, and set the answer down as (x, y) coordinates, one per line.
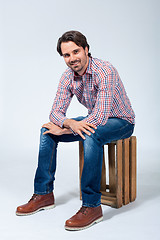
(124, 32)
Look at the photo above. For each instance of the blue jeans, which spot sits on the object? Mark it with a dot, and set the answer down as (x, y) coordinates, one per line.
(115, 129)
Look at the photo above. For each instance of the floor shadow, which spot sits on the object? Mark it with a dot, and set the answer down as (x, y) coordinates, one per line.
(68, 196)
(109, 212)
(148, 188)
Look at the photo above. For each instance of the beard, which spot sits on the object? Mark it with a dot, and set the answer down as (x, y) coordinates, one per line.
(76, 68)
(77, 65)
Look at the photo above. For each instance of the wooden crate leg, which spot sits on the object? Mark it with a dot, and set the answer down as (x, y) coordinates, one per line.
(119, 173)
(81, 162)
(103, 177)
(125, 171)
(132, 168)
(112, 172)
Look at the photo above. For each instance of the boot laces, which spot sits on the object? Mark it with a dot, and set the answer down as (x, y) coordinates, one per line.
(83, 210)
(33, 197)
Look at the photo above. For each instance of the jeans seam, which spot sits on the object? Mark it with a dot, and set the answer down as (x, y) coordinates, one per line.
(120, 129)
(49, 172)
(130, 131)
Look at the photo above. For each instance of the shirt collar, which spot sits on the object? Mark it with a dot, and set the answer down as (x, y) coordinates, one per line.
(89, 68)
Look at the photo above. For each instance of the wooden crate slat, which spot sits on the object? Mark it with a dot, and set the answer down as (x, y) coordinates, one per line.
(103, 177)
(81, 162)
(108, 194)
(133, 166)
(122, 172)
(119, 173)
(125, 171)
(109, 202)
(112, 173)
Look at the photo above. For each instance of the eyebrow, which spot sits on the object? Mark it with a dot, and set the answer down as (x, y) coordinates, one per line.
(77, 49)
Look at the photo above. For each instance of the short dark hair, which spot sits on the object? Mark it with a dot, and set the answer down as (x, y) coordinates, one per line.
(78, 38)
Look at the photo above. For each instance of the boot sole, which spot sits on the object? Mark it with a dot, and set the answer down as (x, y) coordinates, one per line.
(81, 228)
(30, 213)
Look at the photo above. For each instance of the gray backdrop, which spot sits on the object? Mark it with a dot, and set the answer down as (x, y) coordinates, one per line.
(124, 32)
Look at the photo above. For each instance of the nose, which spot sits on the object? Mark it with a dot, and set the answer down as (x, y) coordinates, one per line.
(72, 58)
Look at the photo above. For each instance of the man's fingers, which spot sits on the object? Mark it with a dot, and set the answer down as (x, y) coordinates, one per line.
(80, 133)
(85, 131)
(90, 129)
(91, 125)
(45, 125)
(46, 132)
(86, 124)
(50, 123)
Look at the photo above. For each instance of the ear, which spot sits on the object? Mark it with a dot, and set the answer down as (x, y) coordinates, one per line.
(86, 50)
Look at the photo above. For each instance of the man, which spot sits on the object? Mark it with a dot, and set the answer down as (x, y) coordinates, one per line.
(98, 87)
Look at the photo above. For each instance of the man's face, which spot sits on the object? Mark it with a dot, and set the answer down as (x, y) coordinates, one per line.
(75, 57)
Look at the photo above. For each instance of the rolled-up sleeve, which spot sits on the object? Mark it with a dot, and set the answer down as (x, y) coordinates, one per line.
(61, 102)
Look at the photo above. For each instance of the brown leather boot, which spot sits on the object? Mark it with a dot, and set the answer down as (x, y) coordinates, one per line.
(35, 204)
(84, 218)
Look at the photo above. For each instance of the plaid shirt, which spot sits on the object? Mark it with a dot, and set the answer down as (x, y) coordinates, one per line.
(100, 90)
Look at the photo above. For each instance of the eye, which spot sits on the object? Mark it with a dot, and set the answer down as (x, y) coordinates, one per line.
(66, 55)
(76, 51)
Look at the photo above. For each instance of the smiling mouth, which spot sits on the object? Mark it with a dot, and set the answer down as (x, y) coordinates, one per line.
(75, 63)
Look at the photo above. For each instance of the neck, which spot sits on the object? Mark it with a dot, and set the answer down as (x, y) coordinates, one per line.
(84, 68)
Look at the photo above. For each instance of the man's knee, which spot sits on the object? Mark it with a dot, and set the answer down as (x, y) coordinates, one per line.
(92, 139)
(43, 130)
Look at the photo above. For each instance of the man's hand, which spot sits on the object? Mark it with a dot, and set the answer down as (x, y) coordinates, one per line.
(53, 129)
(79, 127)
